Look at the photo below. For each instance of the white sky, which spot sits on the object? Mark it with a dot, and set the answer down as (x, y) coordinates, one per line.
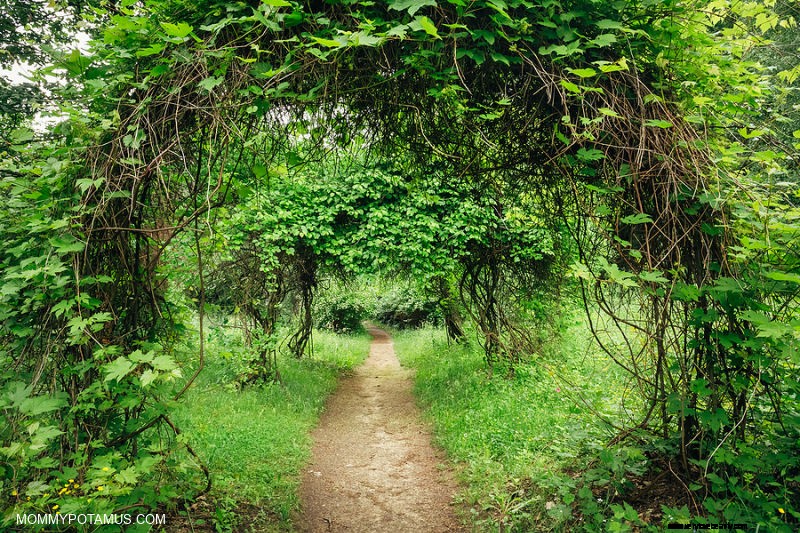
(20, 72)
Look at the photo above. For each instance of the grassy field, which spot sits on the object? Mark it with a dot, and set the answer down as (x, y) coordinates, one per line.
(255, 441)
(514, 438)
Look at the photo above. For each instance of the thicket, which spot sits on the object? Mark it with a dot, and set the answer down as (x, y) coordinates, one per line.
(642, 142)
(404, 308)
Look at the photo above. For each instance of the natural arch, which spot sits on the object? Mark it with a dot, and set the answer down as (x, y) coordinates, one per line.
(570, 111)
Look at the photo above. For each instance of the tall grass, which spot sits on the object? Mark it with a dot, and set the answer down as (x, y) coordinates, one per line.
(513, 437)
(255, 441)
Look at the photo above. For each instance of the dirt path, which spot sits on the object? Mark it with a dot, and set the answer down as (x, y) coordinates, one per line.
(373, 468)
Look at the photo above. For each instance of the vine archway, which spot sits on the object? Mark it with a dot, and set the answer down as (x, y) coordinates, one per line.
(489, 94)
(576, 107)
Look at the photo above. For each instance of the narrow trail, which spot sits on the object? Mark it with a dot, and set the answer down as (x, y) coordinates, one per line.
(373, 468)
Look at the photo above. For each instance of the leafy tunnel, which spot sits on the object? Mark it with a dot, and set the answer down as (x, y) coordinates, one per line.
(486, 147)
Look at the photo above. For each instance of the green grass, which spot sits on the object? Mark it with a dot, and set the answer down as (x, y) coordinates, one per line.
(511, 437)
(255, 441)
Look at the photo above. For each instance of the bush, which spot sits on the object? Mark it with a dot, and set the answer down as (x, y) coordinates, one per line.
(406, 308)
(340, 311)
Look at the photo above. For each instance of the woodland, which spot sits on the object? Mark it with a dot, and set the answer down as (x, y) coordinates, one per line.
(578, 217)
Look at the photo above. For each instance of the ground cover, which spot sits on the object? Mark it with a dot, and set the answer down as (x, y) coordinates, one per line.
(256, 440)
(516, 438)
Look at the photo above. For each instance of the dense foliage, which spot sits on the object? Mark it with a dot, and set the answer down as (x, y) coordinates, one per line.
(247, 151)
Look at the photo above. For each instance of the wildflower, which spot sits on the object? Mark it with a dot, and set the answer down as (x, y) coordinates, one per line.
(780, 510)
(105, 469)
(55, 507)
(72, 481)
(100, 488)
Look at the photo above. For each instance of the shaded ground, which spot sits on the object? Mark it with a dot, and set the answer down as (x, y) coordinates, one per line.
(373, 468)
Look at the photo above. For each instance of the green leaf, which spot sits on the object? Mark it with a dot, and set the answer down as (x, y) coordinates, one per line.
(583, 72)
(607, 67)
(67, 244)
(276, 3)
(128, 476)
(783, 276)
(164, 362)
(609, 112)
(767, 327)
(500, 58)
(46, 462)
(180, 29)
(476, 55)
(579, 270)
(751, 134)
(321, 54)
(43, 434)
(62, 307)
(118, 368)
(686, 293)
(571, 87)
(38, 405)
(76, 326)
(604, 39)
(398, 31)
(428, 26)
(329, 43)
(766, 156)
(141, 357)
(76, 63)
(485, 35)
(23, 135)
(658, 123)
(363, 38)
(653, 276)
(147, 377)
(562, 50)
(638, 218)
(293, 19)
(151, 50)
(259, 171)
(589, 154)
(269, 23)
(209, 83)
(412, 6)
(616, 275)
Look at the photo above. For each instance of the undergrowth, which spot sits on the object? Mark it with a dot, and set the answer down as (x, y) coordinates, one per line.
(255, 440)
(515, 439)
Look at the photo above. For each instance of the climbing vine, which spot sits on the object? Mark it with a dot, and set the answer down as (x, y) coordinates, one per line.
(525, 131)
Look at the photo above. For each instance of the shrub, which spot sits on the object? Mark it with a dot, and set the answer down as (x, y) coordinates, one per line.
(406, 308)
(340, 311)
